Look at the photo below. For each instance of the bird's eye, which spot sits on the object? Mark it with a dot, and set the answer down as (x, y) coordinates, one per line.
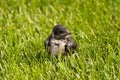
(56, 32)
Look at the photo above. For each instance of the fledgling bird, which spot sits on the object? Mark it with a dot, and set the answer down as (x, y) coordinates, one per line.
(60, 41)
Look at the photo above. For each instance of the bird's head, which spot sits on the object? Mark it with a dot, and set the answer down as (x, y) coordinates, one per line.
(60, 32)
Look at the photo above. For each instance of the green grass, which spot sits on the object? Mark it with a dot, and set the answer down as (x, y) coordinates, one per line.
(25, 24)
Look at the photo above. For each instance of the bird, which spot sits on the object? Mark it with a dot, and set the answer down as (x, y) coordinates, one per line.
(59, 41)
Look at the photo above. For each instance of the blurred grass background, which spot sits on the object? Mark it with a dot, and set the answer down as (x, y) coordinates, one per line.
(25, 24)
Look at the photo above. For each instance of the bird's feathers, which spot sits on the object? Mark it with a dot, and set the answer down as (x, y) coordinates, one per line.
(56, 44)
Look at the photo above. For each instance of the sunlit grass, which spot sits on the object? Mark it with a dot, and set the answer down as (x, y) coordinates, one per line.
(25, 24)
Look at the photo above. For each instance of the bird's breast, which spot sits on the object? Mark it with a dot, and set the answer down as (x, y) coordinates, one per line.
(57, 46)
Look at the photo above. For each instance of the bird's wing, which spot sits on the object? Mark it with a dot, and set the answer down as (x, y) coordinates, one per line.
(47, 43)
(70, 46)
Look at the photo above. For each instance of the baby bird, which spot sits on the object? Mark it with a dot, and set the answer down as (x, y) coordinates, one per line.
(60, 41)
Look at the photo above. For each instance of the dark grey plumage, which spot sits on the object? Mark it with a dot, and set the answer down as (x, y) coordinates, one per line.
(60, 41)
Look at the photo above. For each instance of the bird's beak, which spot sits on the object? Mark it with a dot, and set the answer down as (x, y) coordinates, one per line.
(65, 34)
(68, 33)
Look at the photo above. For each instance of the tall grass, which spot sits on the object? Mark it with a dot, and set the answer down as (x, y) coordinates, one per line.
(25, 24)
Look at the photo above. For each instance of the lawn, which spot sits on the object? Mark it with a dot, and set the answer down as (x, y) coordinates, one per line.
(95, 27)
